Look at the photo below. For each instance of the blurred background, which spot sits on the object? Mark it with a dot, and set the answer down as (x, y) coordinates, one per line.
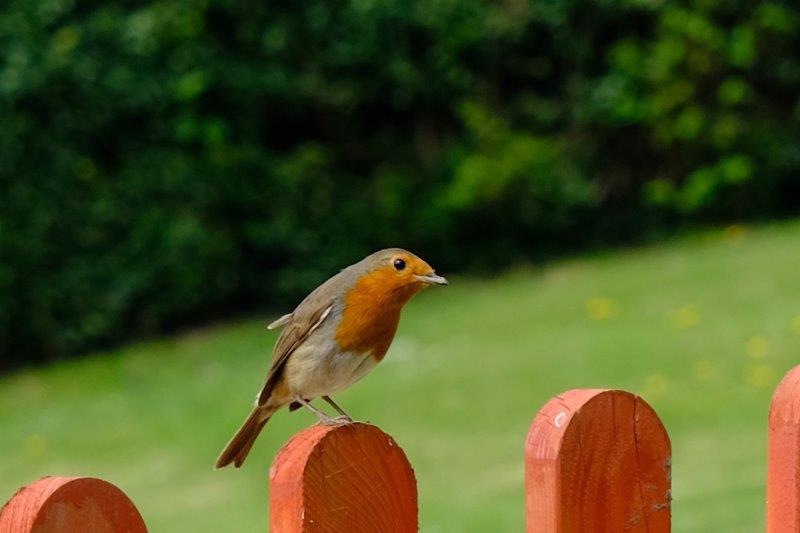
(611, 185)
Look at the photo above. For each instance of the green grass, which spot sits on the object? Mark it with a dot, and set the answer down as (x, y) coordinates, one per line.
(701, 326)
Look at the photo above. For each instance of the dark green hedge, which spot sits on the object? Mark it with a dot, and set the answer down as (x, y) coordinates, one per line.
(172, 161)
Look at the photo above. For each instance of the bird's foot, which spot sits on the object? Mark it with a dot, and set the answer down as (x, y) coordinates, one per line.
(341, 420)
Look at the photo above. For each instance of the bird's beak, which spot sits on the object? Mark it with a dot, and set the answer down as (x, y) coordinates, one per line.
(432, 279)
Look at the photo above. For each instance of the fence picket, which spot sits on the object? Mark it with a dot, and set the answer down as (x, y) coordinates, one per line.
(597, 461)
(351, 478)
(70, 505)
(783, 464)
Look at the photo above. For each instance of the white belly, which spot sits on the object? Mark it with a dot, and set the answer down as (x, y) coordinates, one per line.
(311, 372)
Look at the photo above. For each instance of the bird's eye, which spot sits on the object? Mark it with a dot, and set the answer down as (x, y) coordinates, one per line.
(399, 264)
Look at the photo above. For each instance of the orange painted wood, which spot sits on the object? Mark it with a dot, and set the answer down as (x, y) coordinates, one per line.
(351, 478)
(597, 461)
(70, 505)
(783, 464)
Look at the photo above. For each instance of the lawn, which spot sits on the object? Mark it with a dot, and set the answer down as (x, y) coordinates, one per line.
(702, 326)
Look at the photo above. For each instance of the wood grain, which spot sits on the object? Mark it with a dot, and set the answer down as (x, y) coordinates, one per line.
(597, 461)
(351, 478)
(783, 464)
(70, 505)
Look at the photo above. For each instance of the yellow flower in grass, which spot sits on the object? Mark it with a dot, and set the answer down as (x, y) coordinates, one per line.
(655, 385)
(760, 376)
(600, 308)
(757, 347)
(35, 445)
(686, 317)
(703, 369)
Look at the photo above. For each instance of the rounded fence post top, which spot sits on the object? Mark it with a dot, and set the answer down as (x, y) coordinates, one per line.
(785, 406)
(351, 477)
(553, 420)
(57, 504)
(597, 460)
(297, 451)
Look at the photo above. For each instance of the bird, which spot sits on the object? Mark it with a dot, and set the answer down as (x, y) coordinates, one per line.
(332, 339)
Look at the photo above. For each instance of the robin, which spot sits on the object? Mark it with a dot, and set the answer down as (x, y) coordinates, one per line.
(332, 339)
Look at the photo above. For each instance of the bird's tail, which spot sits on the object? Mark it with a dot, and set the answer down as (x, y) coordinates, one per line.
(239, 446)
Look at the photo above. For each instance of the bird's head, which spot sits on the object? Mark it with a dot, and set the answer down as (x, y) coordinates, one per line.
(398, 267)
(397, 273)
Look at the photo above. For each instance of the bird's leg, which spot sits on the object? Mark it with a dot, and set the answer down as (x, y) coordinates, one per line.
(321, 416)
(344, 416)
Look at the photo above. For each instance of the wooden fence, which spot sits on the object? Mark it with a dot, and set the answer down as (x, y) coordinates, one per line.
(595, 461)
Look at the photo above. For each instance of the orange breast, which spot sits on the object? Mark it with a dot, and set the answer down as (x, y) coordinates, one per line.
(371, 313)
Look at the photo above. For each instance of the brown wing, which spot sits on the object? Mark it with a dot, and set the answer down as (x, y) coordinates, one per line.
(297, 330)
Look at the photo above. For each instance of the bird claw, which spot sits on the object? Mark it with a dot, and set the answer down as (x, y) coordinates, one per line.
(341, 420)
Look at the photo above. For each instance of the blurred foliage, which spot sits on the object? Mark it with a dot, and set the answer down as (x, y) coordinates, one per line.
(169, 161)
